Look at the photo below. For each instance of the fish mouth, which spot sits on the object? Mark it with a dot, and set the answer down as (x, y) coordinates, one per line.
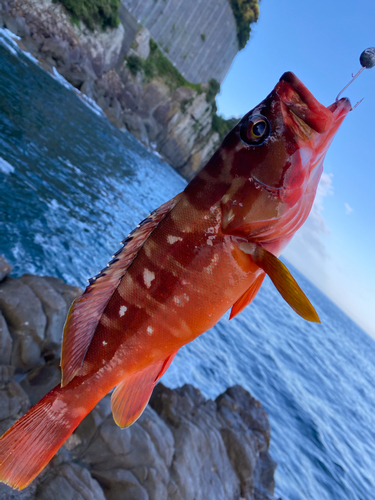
(306, 110)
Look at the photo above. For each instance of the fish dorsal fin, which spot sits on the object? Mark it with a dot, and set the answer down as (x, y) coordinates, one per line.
(86, 310)
(130, 398)
(282, 279)
(248, 296)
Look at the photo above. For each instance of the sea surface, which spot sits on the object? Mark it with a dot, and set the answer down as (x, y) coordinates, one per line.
(72, 187)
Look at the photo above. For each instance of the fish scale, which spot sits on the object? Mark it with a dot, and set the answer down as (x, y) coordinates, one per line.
(205, 251)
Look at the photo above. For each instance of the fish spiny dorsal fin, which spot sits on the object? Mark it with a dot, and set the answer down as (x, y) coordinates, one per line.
(86, 310)
(282, 279)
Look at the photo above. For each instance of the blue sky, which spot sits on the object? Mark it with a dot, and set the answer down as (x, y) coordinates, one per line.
(321, 42)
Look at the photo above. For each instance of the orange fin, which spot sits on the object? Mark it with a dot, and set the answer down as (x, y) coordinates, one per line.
(27, 447)
(86, 311)
(247, 297)
(282, 279)
(130, 398)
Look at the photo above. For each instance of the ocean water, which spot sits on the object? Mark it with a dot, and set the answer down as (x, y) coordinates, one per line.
(72, 187)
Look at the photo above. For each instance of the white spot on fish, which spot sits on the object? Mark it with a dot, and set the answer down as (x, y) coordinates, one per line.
(150, 330)
(148, 277)
(180, 300)
(210, 267)
(122, 311)
(104, 342)
(172, 239)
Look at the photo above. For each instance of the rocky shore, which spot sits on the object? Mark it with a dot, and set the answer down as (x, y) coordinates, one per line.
(183, 447)
(173, 119)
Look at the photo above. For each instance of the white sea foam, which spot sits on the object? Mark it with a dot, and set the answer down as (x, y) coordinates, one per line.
(8, 40)
(56, 75)
(5, 167)
(84, 98)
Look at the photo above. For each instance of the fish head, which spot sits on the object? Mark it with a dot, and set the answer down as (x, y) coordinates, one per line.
(273, 159)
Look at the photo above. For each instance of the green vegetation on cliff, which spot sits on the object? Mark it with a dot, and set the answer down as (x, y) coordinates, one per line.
(223, 126)
(94, 12)
(245, 13)
(157, 65)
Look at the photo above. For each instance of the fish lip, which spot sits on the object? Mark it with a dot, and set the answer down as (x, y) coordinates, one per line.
(304, 105)
(340, 108)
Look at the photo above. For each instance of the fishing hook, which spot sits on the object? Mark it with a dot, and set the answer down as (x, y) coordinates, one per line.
(367, 60)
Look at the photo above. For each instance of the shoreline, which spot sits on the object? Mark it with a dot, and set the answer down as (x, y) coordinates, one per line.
(173, 120)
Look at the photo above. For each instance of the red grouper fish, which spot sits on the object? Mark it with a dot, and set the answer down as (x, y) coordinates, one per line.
(201, 253)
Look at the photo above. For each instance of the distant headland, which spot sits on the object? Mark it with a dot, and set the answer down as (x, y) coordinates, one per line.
(154, 67)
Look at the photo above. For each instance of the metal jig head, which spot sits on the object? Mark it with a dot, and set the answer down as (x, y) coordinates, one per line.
(367, 60)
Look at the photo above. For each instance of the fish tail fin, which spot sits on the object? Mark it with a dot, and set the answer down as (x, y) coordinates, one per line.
(28, 446)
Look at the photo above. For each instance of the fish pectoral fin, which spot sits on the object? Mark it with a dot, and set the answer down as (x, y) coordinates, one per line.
(86, 310)
(282, 279)
(131, 396)
(248, 296)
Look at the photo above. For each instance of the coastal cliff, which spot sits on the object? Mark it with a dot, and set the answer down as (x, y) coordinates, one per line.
(183, 447)
(129, 75)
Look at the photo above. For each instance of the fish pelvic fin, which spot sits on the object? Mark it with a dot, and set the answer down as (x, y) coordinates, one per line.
(282, 279)
(130, 398)
(28, 446)
(248, 296)
(86, 311)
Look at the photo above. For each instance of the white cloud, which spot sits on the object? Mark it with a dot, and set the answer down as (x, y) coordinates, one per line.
(307, 251)
(348, 209)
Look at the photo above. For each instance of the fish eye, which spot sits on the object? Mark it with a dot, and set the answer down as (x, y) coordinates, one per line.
(255, 130)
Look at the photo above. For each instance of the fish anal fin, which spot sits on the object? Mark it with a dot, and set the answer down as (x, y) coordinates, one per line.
(248, 296)
(282, 279)
(131, 396)
(86, 310)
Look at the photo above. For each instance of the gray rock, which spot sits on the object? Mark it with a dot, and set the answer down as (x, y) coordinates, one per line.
(54, 307)
(41, 380)
(6, 373)
(5, 342)
(7, 493)
(13, 404)
(16, 24)
(55, 48)
(26, 321)
(68, 292)
(103, 48)
(246, 433)
(68, 481)
(141, 44)
(120, 483)
(201, 468)
(5, 268)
